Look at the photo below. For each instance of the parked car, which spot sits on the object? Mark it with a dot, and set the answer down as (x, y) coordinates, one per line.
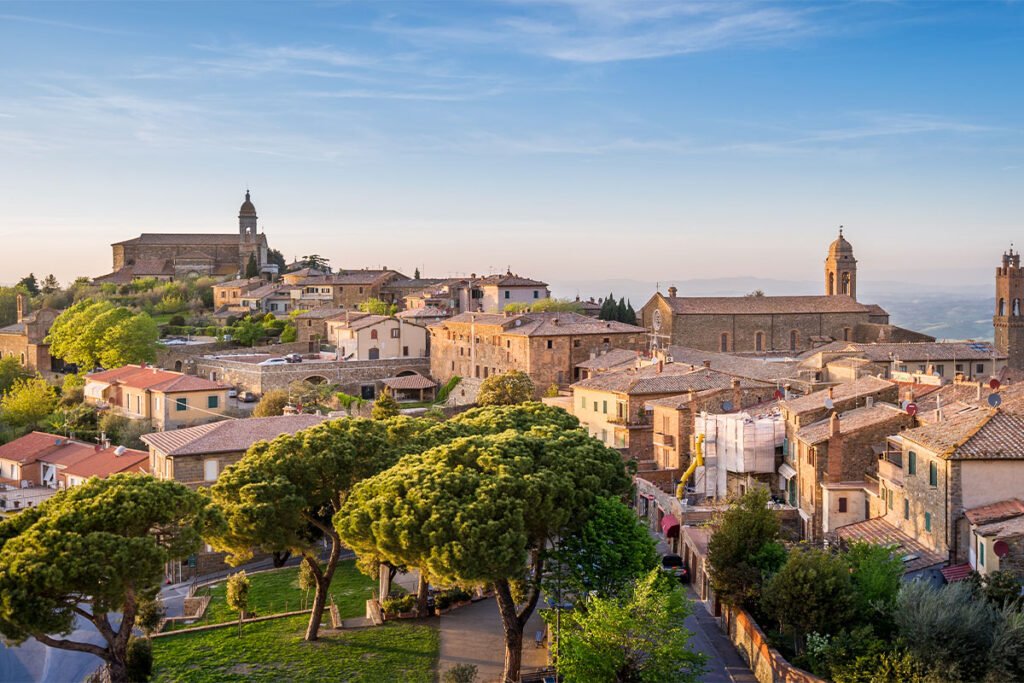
(293, 358)
(232, 393)
(673, 564)
(274, 361)
(247, 397)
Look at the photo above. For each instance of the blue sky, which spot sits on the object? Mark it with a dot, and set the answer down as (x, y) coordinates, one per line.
(568, 139)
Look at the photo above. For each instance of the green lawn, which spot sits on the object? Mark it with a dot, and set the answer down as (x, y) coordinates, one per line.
(274, 651)
(276, 591)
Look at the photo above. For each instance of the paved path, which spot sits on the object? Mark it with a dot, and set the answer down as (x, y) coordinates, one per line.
(473, 635)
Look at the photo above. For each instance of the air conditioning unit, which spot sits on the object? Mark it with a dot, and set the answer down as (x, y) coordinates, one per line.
(869, 401)
(669, 359)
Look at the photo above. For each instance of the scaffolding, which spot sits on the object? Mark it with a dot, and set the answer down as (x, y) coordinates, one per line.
(740, 443)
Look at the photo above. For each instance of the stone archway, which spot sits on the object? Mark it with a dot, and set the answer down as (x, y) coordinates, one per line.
(177, 366)
(316, 379)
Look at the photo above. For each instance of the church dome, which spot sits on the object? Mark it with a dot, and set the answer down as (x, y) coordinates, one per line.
(840, 246)
(247, 207)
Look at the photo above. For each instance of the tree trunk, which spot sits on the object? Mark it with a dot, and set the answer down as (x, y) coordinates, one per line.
(323, 581)
(281, 556)
(422, 591)
(513, 628)
(117, 671)
(319, 601)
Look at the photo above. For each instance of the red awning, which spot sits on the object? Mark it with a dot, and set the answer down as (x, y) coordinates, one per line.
(670, 526)
(958, 572)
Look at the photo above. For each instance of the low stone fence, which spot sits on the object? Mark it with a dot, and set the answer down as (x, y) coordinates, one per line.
(225, 624)
(767, 663)
(352, 376)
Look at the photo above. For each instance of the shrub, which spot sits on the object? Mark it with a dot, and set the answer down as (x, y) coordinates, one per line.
(442, 395)
(139, 661)
(384, 407)
(177, 321)
(272, 403)
(461, 673)
(508, 388)
(403, 603)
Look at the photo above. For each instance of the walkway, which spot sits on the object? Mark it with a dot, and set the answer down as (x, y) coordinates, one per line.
(473, 635)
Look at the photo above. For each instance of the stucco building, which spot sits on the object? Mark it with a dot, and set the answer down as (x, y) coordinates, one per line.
(25, 339)
(169, 399)
(363, 336)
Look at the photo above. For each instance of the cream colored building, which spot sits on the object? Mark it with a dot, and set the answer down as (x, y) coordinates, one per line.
(501, 290)
(169, 399)
(371, 337)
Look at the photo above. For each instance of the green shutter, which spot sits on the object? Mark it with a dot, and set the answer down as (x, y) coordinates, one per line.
(181, 404)
(928, 522)
(933, 474)
(906, 509)
(212, 401)
(912, 463)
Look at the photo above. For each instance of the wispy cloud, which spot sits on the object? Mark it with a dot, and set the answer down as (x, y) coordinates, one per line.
(64, 24)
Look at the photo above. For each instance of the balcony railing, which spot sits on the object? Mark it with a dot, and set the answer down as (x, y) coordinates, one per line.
(665, 440)
(890, 470)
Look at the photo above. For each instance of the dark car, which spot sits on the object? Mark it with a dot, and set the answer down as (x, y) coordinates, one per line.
(673, 564)
(293, 358)
(247, 397)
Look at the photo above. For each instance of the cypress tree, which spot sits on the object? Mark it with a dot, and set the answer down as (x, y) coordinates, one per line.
(620, 311)
(251, 270)
(607, 308)
(630, 313)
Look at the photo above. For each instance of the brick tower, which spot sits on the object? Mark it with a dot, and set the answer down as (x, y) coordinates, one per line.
(841, 268)
(1008, 323)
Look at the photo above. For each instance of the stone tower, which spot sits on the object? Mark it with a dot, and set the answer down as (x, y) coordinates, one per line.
(1008, 323)
(247, 235)
(841, 268)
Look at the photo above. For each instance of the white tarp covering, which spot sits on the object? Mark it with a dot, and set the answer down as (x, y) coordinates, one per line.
(739, 442)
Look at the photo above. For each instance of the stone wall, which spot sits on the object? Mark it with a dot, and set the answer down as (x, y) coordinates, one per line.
(768, 665)
(168, 357)
(352, 376)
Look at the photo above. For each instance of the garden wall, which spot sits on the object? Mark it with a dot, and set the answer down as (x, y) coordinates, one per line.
(768, 665)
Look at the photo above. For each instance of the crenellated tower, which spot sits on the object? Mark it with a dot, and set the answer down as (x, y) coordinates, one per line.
(1008, 324)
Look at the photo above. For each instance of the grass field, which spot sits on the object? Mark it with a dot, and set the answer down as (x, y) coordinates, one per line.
(276, 591)
(274, 651)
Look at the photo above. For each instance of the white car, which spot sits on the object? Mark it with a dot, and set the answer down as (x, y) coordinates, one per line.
(274, 361)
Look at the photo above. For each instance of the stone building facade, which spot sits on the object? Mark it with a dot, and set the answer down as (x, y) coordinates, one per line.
(546, 346)
(169, 256)
(768, 324)
(25, 339)
(1008, 322)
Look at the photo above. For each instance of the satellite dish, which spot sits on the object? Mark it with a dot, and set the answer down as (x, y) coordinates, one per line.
(778, 394)
(994, 400)
(904, 403)
(727, 406)
(120, 450)
(1001, 548)
(994, 384)
(829, 404)
(911, 409)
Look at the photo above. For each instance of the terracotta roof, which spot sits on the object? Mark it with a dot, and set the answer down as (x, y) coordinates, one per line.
(409, 382)
(353, 277)
(911, 352)
(14, 328)
(228, 436)
(673, 378)
(266, 290)
(995, 512)
(413, 283)
(358, 322)
(69, 455)
(865, 386)
(509, 280)
(957, 572)
(107, 462)
(850, 421)
(979, 434)
(762, 305)
(1010, 527)
(153, 379)
(239, 282)
(754, 368)
(178, 238)
(610, 359)
(424, 312)
(324, 313)
(544, 324)
(879, 532)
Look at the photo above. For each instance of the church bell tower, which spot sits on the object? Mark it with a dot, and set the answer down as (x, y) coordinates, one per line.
(247, 219)
(841, 268)
(1008, 324)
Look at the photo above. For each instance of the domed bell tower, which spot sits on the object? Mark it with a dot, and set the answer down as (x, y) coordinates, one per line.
(1008, 324)
(247, 219)
(841, 268)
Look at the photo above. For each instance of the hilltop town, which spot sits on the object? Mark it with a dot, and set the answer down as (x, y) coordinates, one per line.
(224, 447)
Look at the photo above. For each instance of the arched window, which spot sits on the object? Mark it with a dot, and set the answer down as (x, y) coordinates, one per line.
(846, 283)
(831, 284)
(724, 342)
(373, 334)
(1002, 307)
(759, 341)
(794, 340)
(374, 353)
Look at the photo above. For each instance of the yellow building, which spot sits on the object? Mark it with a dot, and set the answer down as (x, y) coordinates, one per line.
(169, 399)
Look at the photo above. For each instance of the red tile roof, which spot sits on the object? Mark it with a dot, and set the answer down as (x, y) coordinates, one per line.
(977, 434)
(154, 379)
(763, 305)
(957, 572)
(229, 436)
(996, 512)
(73, 457)
(877, 531)
(409, 382)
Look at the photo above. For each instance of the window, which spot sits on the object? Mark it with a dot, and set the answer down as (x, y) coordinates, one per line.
(550, 344)
(485, 371)
(604, 432)
(405, 350)
(181, 404)
(360, 290)
(906, 508)
(508, 343)
(453, 366)
(940, 370)
(846, 334)
(842, 505)
(980, 368)
(210, 470)
(911, 462)
(933, 474)
(373, 334)
(890, 499)
(213, 401)
(478, 371)
(981, 552)
(576, 343)
(723, 342)
(508, 294)
(396, 333)
(928, 522)
(595, 405)
(794, 340)
(604, 407)
(536, 294)
(759, 341)
(959, 367)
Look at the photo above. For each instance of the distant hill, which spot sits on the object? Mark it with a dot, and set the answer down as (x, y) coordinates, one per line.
(962, 312)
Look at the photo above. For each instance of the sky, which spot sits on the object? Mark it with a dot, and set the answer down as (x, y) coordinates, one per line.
(566, 139)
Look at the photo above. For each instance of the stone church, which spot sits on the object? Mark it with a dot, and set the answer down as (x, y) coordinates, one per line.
(775, 324)
(171, 256)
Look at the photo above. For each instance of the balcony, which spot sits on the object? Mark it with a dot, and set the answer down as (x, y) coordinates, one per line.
(665, 440)
(893, 471)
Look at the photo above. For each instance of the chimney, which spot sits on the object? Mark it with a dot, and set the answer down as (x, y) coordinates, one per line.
(830, 393)
(661, 366)
(835, 449)
(22, 304)
(691, 395)
(785, 391)
(978, 393)
(707, 364)
(672, 291)
(737, 394)
(554, 321)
